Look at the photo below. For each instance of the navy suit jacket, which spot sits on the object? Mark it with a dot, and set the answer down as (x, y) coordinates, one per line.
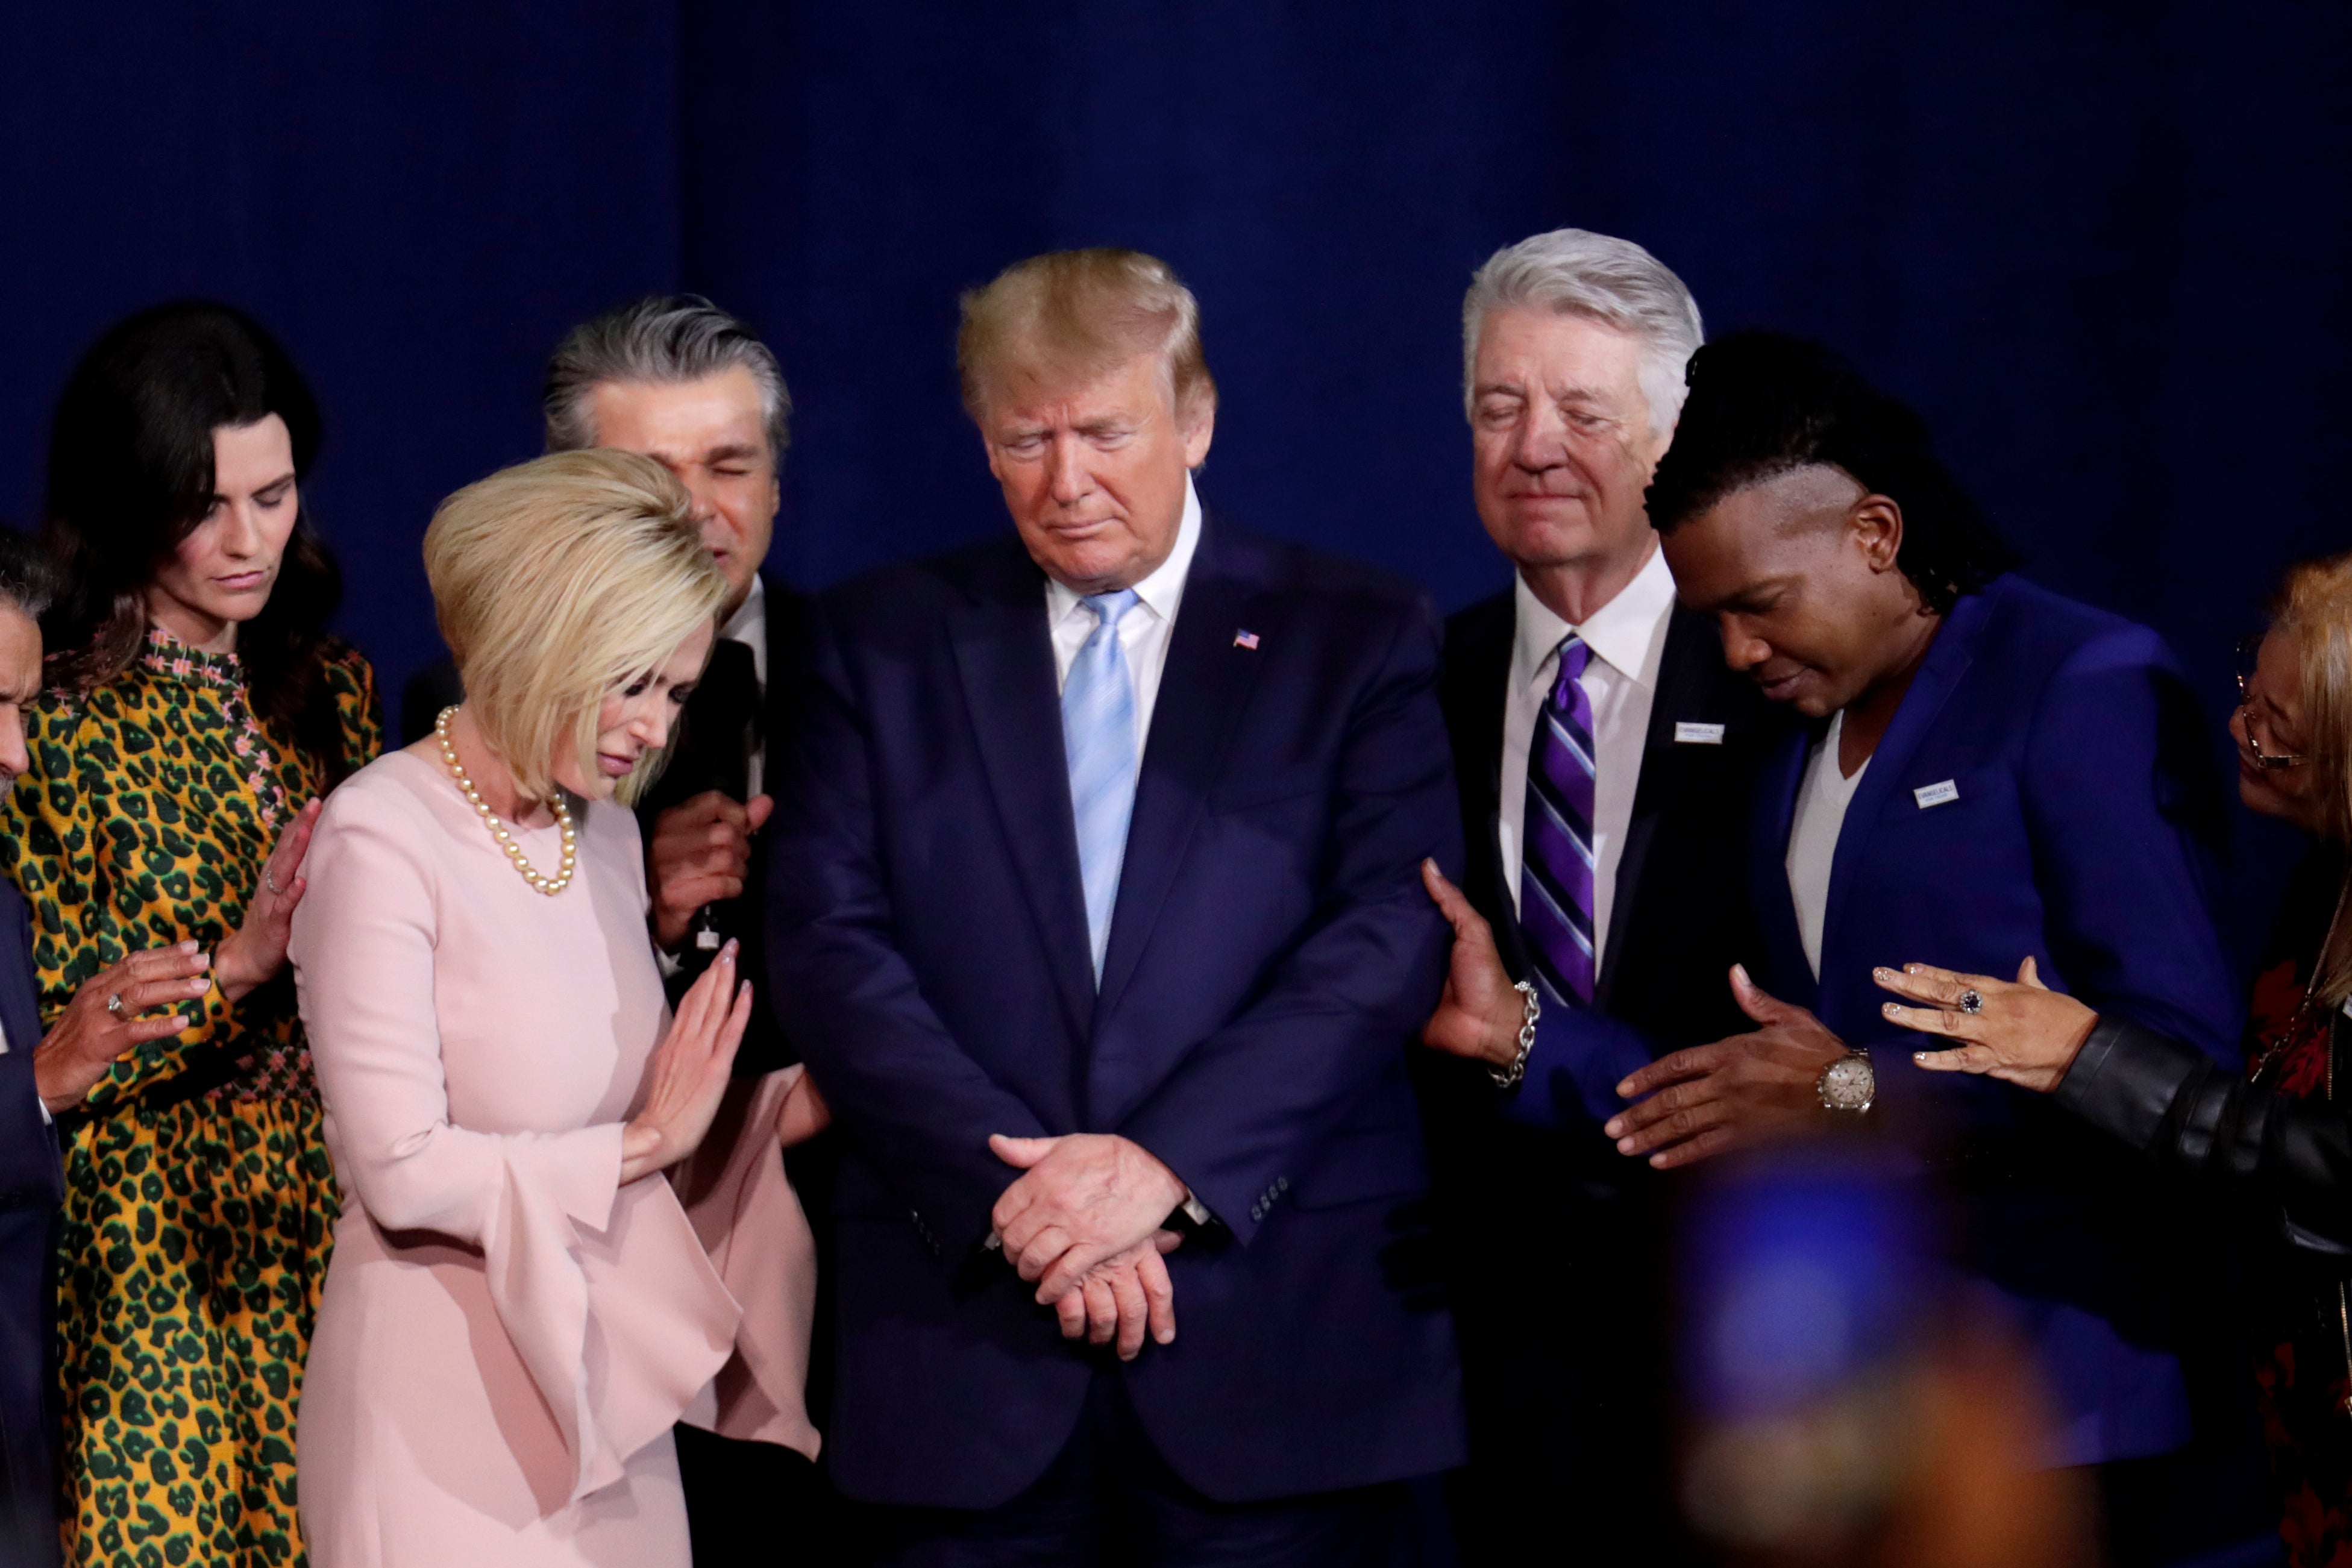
(32, 1186)
(1271, 956)
(2046, 788)
(1680, 919)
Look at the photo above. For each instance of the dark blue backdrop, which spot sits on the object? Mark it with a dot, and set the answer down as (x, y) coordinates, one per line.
(2103, 245)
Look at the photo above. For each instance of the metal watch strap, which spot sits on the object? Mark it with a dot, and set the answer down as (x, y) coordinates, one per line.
(1509, 1077)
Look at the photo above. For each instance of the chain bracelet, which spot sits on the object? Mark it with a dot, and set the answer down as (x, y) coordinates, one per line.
(1509, 1077)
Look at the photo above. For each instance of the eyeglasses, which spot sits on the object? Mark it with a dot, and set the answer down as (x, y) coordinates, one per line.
(2268, 762)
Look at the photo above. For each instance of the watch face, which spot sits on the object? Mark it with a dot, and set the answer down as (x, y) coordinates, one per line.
(1849, 1084)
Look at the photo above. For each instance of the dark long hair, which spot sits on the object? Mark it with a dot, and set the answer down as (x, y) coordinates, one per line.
(1764, 403)
(131, 476)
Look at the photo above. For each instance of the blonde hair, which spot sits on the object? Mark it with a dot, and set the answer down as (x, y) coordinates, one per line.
(556, 583)
(2313, 607)
(1076, 313)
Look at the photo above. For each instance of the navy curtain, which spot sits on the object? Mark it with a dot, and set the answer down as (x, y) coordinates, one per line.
(2104, 246)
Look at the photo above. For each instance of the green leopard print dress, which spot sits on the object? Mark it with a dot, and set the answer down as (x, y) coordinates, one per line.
(200, 1206)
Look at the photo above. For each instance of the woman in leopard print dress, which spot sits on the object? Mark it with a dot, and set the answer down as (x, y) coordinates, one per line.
(197, 712)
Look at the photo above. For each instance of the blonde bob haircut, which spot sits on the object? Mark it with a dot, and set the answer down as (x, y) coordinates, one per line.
(557, 583)
(1072, 315)
(2313, 609)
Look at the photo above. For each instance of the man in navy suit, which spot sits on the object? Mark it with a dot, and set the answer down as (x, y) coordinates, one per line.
(1989, 771)
(37, 1078)
(1094, 905)
(1574, 345)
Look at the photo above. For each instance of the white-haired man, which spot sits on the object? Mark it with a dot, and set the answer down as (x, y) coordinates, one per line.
(1600, 748)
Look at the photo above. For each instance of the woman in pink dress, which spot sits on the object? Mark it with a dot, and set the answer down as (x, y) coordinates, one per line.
(547, 1255)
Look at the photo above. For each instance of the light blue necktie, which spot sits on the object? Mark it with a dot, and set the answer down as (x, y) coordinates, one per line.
(1098, 734)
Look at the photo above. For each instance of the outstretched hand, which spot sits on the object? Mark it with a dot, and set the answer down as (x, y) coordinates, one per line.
(688, 1074)
(2024, 1033)
(252, 954)
(1737, 1091)
(1480, 1013)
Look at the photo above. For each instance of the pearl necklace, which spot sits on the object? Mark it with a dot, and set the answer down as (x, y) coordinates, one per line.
(550, 886)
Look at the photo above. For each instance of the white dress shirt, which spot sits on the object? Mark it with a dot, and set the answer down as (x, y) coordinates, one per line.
(748, 625)
(1143, 636)
(1628, 639)
(1144, 631)
(1822, 802)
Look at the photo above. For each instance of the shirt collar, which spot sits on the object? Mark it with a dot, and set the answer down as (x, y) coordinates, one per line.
(1164, 590)
(749, 624)
(1625, 633)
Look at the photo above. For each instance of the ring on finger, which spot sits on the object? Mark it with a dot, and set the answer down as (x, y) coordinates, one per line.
(114, 1004)
(1971, 1002)
(270, 879)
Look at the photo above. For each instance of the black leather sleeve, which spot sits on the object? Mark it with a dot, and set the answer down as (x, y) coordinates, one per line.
(2293, 1157)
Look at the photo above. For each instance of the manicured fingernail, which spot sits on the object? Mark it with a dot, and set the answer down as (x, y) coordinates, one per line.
(1910, 969)
(1888, 1008)
(189, 945)
(728, 951)
(1883, 973)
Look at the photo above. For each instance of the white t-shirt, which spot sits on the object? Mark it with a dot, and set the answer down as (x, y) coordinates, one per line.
(1821, 801)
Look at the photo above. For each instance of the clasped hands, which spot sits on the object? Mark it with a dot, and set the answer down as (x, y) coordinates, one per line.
(1084, 1223)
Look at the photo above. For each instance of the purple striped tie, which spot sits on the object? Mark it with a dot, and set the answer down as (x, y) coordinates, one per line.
(1556, 872)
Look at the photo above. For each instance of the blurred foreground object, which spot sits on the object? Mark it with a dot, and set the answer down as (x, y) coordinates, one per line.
(1848, 1400)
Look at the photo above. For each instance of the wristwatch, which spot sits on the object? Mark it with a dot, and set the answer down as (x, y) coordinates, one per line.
(1848, 1084)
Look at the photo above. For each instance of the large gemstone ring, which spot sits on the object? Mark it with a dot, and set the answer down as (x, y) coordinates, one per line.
(1970, 1002)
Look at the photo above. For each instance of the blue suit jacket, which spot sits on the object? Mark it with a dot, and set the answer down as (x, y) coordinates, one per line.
(32, 1186)
(1271, 955)
(2070, 813)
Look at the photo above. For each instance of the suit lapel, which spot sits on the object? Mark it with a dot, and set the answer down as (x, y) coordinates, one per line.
(1685, 692)
(1005, 658)
(1202, 691)
(1915, 719)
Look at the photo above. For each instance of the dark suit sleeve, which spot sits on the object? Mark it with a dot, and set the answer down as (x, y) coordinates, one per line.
(1250, 1104)
(1579, 1060)
(894, 1077)
(2126, 823)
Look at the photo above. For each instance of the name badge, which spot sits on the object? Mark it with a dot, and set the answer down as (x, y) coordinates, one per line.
(1935, 794)
(1689, 734)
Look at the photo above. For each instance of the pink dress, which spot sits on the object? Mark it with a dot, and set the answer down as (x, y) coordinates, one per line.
(509, 1333)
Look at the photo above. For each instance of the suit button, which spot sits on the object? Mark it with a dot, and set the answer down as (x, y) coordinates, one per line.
(1257, 1211)
(1282, 1183)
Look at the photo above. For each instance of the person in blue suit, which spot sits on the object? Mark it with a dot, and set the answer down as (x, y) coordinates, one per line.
(1095, 903)
(1988, 770)
(40, 1076)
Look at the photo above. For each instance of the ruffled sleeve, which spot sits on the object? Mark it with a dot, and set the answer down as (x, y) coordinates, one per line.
(605, 1292)
(752, 1229)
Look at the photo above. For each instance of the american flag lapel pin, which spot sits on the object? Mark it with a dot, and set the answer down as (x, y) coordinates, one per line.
(1245, 639)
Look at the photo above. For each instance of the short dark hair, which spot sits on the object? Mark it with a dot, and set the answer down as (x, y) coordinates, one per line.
(130, 475)
(28, 582)
(1764, 403)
